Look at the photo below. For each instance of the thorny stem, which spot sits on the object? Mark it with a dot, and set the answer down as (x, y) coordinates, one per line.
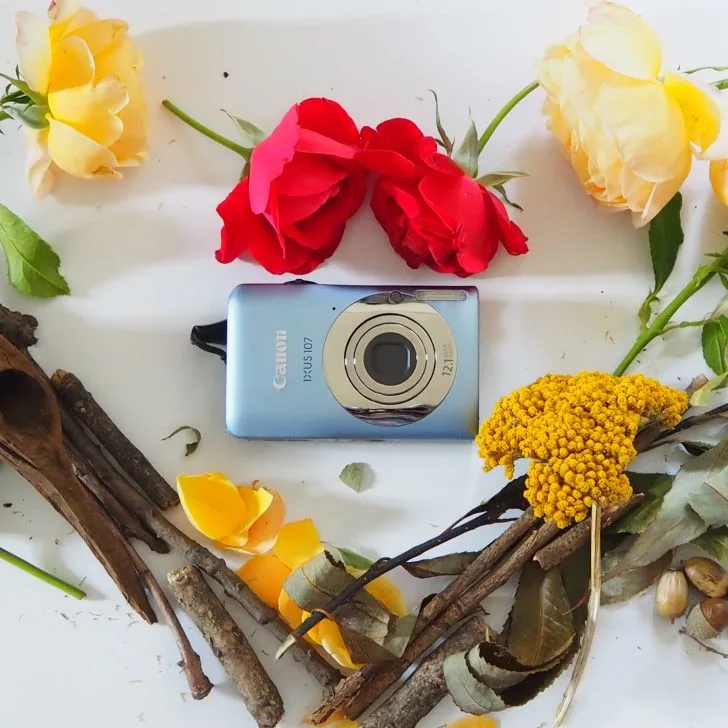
(488, 133)
(244, 152)
(383, 566)
(28, 568)
(662, 320)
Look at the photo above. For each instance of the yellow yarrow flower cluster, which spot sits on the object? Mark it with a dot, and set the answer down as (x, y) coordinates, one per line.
(579, 431)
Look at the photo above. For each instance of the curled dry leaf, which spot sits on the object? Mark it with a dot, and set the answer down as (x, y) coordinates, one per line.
(353, 476)
(370, 631)
(632, 582)
(715, 542)
(190, 447)
(447, 565)
(655, 487)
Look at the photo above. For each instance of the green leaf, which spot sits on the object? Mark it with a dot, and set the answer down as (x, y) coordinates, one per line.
(353, 476)
(541, 628)
(715, 543)
(190, 447)
(447, 565)
(654, 486)
(498, 179)
(715, 337)
(502, 192)
(632, 582)
(370, 631)
(33, 266)
(666, 236)
(444, 139)
(34, 117)
(355, 560)
(36, 98)
(467, 154)
(4, 115)
(710, 502)
(701, 396)
(249, 131)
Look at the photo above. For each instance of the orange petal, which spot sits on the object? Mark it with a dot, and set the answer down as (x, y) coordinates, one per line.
(256, 501)
(262, 535)
(288, 609)
(333, 643)
(211, 503)
(336, 720)
(34, 50)
(388, 593)
(474, 721)
(265, 576)
(297, 543)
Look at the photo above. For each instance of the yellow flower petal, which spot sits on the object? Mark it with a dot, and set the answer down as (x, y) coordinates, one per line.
(77, 154)
(314, 634)
(388, 593)
(265, 576)
(297, 543)
(336, 720)
(211, 503)
(34, 50)
(257, 501)
(333, 643)
(262, 535)
(99, 35)
(661, 194)
(474, 721)
(92, 110)
(701, 115)
(289, 610)
(719, 179)
(72, 65)
(622, 41)
(63, 10)
(41, 171)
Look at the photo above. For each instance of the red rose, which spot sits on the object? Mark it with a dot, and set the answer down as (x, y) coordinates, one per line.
(432, 212)
(289, 214)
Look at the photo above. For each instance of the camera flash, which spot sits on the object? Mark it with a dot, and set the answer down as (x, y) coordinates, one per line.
(426, 296)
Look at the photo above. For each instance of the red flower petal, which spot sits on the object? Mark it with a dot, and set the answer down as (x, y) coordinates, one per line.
(399, 135)
(308, 174)
(232, 212)
(329, 119)
(311, 142)
(270, 157)
(387, 161)
(295, 209)
(512, 237)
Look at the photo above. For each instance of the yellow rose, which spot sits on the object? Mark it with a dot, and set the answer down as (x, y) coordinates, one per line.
(88, 69)
(629, 131)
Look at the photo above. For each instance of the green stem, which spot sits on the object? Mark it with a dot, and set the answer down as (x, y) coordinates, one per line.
(488, 133)
(244, 152)
(662, 320)
(28, 568)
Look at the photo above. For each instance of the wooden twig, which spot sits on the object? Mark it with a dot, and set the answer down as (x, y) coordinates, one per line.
(18, 328)
(229, 644)
(199, 683)
(198, 555)
(132, 461)
(577, 535)
(426, 686)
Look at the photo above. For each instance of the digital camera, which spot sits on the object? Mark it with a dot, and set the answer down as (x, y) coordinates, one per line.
(315, 361)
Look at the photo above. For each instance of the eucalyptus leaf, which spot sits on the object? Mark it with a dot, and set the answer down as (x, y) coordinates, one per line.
(190, 447)
(494, 179)
(33, 266)
(715, 543)
(250, 132)
(714, 340)
(353, 476)
(370, 631)
(34, 117)
(696, 448)
(541, 628)
(447, 565)
(632, 582)
(467, 154)
(502, 191)
(654, 486)
(711, 501)
(445, 141)
(676, 522)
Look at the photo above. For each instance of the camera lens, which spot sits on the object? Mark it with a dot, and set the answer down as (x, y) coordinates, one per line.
(390, 358)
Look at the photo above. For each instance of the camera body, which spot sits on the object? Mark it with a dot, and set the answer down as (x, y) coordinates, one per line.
(313, 361)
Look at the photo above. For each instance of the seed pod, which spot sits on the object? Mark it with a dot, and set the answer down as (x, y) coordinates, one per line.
(671, 594)
(707, 619)
(707, 576)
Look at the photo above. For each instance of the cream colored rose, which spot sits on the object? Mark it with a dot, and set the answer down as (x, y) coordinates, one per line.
(89, 70)
(629, 132)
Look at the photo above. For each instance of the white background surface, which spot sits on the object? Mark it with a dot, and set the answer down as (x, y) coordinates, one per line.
(139, 257)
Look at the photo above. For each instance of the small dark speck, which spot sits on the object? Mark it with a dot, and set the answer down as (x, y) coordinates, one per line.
(601, 291)
(225, 74)
(7, 505)
(164, 78)
(57, 541)
(725, 232)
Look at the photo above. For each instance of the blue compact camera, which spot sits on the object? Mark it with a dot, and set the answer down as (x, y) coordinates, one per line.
(314, 361)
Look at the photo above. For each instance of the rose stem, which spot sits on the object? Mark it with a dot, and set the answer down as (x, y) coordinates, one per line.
(54, 581)
(199, 683)
(488, 133)
(244, 152)
(383, 566)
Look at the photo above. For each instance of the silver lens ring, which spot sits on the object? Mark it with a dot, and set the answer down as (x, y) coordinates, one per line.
(420, 344)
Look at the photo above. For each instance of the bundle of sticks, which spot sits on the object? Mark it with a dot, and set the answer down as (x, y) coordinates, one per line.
(57, 436)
